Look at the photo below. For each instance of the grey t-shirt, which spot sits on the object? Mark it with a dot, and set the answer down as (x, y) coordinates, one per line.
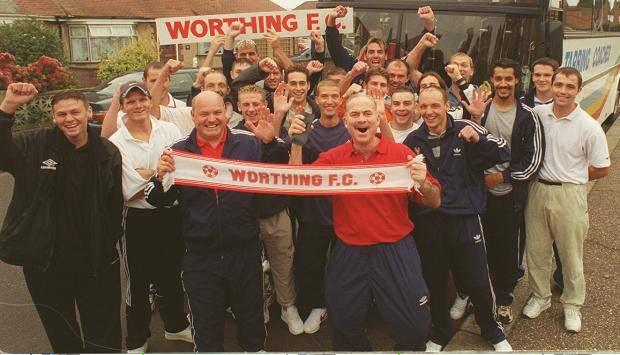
(499, 123)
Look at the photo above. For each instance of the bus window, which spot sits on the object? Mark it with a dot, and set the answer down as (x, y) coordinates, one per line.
(378, 24)
(578, 15)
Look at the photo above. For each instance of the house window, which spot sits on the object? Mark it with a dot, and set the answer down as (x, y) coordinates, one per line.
(90, 42)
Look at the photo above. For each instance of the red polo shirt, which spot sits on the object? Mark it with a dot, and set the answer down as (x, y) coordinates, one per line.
(373, 218)
(208, 150)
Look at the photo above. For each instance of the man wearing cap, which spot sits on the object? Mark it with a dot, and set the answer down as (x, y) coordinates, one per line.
(152, 246)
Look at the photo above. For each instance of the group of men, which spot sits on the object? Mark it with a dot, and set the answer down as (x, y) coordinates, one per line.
(495, 170)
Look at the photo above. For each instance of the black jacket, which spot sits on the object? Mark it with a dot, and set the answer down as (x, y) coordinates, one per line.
(222, 220)
(460, 167)
(527, 151)
(29, 231)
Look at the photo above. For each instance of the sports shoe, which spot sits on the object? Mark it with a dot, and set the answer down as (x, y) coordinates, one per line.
(502, 346)
(504, 314)
(433, 347)
(290, 316)
(572, 320)
(140, 350)
(314, 320)
(184, 335)
(535, 306)
(459, 307)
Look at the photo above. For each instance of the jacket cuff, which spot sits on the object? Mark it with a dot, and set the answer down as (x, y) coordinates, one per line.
(7, 118)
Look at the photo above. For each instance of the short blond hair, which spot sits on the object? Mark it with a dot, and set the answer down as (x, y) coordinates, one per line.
(246, 43)
(252, 89)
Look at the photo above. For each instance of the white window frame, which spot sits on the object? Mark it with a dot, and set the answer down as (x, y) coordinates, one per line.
(89, 27)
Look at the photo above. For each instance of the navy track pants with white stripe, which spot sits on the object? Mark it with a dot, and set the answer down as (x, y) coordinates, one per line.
(390, 274)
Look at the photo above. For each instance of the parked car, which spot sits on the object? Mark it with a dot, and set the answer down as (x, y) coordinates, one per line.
(99, 97)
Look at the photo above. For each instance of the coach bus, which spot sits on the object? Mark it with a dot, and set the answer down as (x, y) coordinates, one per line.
(584, 34)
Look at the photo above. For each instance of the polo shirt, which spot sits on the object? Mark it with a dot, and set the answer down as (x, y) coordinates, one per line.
(373, 218)
(140, 154)
(572, 144)
(210, 151)
(180, 117)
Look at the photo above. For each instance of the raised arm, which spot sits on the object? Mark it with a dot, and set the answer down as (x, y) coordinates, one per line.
(110, 121)
(214, 47)
(414, 57)
(339, 55)
(158, 92)
(17, 94)
(228, 57)
(274, 41)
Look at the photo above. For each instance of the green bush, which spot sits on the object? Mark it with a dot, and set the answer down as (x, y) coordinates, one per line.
(133, 57)
(28, 40)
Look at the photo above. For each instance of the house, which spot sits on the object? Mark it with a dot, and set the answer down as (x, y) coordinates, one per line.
(89, 28)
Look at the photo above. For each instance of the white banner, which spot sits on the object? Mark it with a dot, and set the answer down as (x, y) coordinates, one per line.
(200, 171)
(196, 29)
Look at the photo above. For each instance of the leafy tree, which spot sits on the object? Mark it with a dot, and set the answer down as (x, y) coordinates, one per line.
(133, 57)
(28, 40)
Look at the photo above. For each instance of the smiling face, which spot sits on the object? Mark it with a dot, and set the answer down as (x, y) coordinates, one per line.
(375, 55)
(71, 116)
(328, 98)
(248, 52)
(209, 116)
(541, 77)
(298, 86)
(361, 119)
(136, 105)
(398, 75)
(250, 104)
(505, 82)
(565, 89)
(273, 79)
(216, 81)
(433, 108)
(403, 106)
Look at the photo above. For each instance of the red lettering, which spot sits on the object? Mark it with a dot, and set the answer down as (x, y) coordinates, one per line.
(199, 32)
(275, 177)
(215, 25)
(304, 180)
(273, 23)
(263, 178)
(229, 21)
(338, 24)
(237, 175)
(311, 20)
(261, 23)
(252, 176)
(347, 179)
(287, 179)
(317, 180)
(175, 27)
(251, 24)
(333, 179)
(289, 22)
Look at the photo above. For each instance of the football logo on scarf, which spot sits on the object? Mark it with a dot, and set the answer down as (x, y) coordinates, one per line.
(209, 171)
(377, 178)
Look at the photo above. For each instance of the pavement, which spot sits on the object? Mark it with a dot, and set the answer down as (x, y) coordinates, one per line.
(21, 330)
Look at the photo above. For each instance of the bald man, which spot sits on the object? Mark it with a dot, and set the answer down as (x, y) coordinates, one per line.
(222, 263)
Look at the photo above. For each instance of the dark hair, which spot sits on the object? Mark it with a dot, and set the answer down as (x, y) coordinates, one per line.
(506, 63)
(546, 61)
(442, 83)
(239, 61)
(70, 95)
(150, 66)
(568, 71)
(400, 62)
(334, 70)
(374, 72)
(296, 68)
(402, 89)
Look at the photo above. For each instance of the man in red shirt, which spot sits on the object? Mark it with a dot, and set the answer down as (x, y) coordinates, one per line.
(374, 256)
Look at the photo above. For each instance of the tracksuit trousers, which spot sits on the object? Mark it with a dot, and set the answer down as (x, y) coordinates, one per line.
(502, 232)
(446, 241)
(153, 247)
(388, 273)
(55, 294)
(215, 281)
(311, 248)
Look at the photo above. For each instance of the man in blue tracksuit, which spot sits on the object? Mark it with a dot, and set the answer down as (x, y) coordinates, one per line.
(457, 152)
(222, 263)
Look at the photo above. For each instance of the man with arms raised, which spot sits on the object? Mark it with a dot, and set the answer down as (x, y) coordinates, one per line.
(374, 240)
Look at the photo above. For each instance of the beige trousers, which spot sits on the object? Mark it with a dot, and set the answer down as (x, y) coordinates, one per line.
(276, 234)
(557, 213)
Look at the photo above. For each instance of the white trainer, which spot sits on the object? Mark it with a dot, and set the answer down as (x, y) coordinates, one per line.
(459, 307)
(535, 306)
(183, 335)
(314, 320)
(140, 350)
(290, 316)
(433, 347)
(572, 320)
(503, 346)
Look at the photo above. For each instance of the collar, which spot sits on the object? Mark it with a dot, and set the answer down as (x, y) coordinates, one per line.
(381, 148)
(204, 144)
(425, 133)
(155, 125)
(574, 114)
(171, 101)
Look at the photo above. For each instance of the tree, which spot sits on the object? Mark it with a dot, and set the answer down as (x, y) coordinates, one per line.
(133, 57)
(28, 40)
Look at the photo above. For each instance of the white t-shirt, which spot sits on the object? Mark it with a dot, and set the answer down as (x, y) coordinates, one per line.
(139, 154)
(399, 136)
(573, 143)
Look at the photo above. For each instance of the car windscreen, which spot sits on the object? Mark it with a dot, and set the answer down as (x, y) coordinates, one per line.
(107, 89)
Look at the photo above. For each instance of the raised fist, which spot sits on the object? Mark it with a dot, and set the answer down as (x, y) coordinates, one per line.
(338, 12)
(268, 65)
(468, 134)
(314, 66)
(318, 40)
(272, 38)
(425, 13)
(173, 66)
(17, 94)
(453, 72)
(359, 68)
(429, 40)
(234, 30)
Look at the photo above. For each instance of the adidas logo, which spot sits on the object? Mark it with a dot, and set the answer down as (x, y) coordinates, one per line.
(477, 238)
(423, 300)
(456, 152)
(48, 164)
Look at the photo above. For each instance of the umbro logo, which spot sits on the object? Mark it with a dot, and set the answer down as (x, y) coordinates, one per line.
(423, 300)
(456, 152)
(477, 238)
(48, 164)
